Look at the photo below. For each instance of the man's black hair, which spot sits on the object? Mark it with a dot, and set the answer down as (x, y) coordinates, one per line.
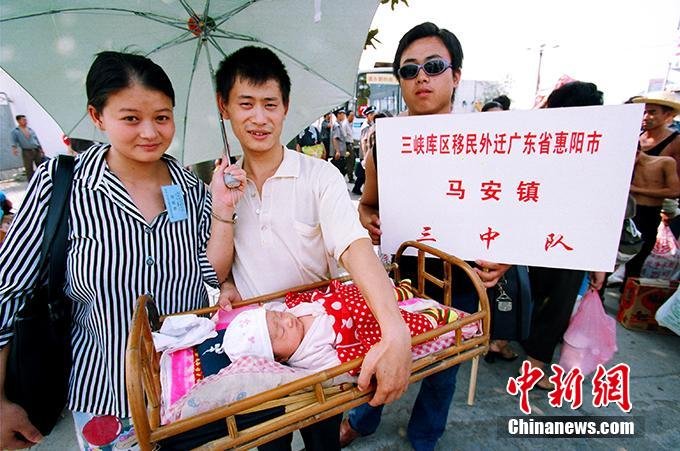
(425, 30)
(257, 65)
(504, 101)
(19, 116)
(575, 93)
(492, 104)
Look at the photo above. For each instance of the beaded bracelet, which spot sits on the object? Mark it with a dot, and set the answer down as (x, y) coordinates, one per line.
(227, 221)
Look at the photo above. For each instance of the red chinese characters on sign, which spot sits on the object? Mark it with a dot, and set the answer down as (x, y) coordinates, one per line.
(529, 143)
(553, 240)
(432, 144)
(489, 236)
(544, 143)
(527, 191)
(456, 189)
(457, 145)
(612, 386)
(490, 190)
(568, 387)
(425, 235)
(522, 384)
(555, 142)
(593, 142)
(444, 144)
(406, 144)
(419, 144)
(576, 142)
(561, 142)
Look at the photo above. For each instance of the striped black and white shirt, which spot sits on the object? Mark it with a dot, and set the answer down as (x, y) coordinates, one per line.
(114, 256)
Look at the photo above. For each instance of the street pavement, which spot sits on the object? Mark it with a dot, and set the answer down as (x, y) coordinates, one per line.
(654, 361)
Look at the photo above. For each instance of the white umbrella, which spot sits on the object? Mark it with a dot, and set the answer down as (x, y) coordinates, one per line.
(47, 46)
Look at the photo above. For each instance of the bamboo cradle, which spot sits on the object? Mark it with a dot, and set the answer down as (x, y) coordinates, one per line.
(305, 400)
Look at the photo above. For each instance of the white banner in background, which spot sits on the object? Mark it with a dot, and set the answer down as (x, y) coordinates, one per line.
(541, 187)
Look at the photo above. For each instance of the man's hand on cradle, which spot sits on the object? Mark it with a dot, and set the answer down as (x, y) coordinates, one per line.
(490, 272)
(15, 151)
(16, 431)
(228, 295)
(389, 361)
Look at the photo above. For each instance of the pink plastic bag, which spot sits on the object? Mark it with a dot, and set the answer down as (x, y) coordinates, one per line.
(590, 338)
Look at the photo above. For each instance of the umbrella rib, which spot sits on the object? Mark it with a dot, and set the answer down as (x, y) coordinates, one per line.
(68, 133)
(186, 104)
(206, 8)
(228, 15)
(232, 35)
(181, 39)
(147, 15)
(217, 46)
(223, 131)
(188, 9)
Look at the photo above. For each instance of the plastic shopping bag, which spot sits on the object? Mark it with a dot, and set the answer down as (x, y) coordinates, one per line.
(664, 261)
(668, 314)
(590, 338)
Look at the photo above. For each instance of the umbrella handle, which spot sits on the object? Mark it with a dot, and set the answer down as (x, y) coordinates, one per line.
(230, 180)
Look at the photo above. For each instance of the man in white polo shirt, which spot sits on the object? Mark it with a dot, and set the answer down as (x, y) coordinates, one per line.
(296, 221)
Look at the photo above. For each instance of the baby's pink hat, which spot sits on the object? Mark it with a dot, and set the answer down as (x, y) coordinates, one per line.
(248, 334)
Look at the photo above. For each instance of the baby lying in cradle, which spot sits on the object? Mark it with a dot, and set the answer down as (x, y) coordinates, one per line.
(310, 332)
(318, 330)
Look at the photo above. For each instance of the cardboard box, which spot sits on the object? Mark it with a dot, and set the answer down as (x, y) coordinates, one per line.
(641, 299)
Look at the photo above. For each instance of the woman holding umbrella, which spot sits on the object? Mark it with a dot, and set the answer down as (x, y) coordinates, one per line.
(138, 223)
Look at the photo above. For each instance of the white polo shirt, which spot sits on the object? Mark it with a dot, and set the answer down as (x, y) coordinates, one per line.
(296, 232)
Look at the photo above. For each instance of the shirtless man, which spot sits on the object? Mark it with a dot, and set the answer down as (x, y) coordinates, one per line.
(657, 139)
(654, 179)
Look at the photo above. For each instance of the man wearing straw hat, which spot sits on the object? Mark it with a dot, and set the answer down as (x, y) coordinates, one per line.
(657, 138)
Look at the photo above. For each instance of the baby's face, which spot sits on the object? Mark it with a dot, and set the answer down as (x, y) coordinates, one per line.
(285, 332)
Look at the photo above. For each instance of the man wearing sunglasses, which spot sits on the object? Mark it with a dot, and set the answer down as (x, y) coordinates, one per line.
(428, 66)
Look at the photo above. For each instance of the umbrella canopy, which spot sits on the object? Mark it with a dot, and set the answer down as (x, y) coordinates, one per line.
(47, 46)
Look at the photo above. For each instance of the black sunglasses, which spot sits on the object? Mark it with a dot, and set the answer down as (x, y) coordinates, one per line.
(431, 67)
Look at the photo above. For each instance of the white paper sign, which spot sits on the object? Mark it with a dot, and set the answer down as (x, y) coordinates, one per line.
(541, 187)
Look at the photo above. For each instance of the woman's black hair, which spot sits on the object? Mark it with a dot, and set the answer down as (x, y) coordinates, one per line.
(113, 71)
(488, 105)
(575, 93)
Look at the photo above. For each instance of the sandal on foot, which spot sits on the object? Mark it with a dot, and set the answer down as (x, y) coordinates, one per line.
(491, 356)
(347, 433)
